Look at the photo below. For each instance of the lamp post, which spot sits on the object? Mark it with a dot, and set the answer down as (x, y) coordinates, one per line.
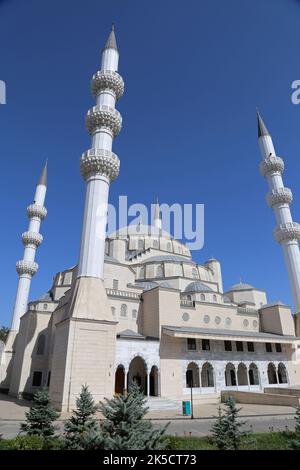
(192, 405)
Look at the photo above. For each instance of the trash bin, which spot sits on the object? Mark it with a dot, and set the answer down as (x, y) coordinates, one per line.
(186, 408)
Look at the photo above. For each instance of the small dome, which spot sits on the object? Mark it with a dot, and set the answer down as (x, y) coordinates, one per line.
(241, 286)
(147, 285)
(197, 286)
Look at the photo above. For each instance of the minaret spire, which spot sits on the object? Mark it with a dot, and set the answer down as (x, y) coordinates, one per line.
(279, 198)
(27, 267)
(99, 165)
(43, 177)
(157, 217)
(262, 129)
(111, 42)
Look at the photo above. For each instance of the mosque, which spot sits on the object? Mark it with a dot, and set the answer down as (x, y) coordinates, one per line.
(137, 307)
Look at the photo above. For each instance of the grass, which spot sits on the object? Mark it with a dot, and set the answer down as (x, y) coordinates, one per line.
(257, 441)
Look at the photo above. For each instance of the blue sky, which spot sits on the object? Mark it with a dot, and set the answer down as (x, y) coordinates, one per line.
(194, 73)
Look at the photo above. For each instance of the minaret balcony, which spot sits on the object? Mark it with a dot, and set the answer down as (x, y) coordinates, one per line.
(103, 116)
(35, 210)
(287, 232)
(271, 164)
(279, 196)
(107, 80)
(99, 161)
(28, 268)
(32, 238)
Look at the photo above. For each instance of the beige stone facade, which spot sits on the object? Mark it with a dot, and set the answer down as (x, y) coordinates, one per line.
(158, 318)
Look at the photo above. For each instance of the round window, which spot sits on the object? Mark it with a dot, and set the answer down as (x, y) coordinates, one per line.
(255, 323)
(245, 323)
(185, 316)
(218, 320)
(206, 318)
(228, 321)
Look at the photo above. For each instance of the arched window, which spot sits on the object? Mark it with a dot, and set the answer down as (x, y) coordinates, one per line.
(192, 375)
(272, 376)
(115, 284)
(214, 298)
(134, 313)
(169, 246)
(45, 306)
(113, 311)
(160, 271)
(242, 376)
(207, 375)
(282, 374)
(155, 243)
(123, 310)
(141, 244)
(253, 374)
(230, 376)
(195, 273)
(40, 349)
(202, 297)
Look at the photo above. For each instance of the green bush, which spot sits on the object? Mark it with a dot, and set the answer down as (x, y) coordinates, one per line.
(32, 442)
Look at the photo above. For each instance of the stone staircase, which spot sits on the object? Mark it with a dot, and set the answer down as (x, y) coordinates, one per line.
(161, 403)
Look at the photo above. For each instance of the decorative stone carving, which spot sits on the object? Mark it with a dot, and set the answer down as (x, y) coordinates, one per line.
(271, 164)
(32, 238)
(35, 210)
(99, 161)
(287, 232)
(279, 196)
(26, 267)
(107, 80)
(104, 116)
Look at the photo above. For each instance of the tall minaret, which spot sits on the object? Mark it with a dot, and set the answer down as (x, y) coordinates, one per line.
(279, 198)
(157, 216)
(27, 267)
(99, 165)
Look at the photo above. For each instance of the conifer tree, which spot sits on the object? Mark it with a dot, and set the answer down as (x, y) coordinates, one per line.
(125, 428)
(297, 419)
(218, 435)
(227, 433)
(41, 416)
(82, 430)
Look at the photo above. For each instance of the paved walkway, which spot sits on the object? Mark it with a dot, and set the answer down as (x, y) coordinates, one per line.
(260, 417)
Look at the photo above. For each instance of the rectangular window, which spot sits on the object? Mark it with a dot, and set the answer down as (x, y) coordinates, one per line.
(49, 378)
(205, 345)
(115, 284)
(239, 346)
(269, 347)
(37, 379)
(278, 347)
(191, 344)
(227, 345)
(250, 346)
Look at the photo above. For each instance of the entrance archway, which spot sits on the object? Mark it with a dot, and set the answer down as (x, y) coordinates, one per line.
(137, 373)
(192, 375)
(119, 379)
(154, 381)
(272, 377)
